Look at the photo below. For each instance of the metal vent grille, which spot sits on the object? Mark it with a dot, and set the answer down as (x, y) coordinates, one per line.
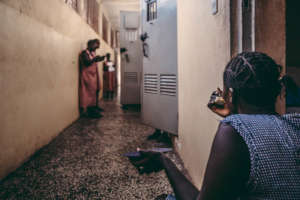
(151, 83)
(131, 76)
(168, 84)
(129, 35)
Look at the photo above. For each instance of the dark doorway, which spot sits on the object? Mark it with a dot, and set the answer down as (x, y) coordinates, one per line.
(293, 43)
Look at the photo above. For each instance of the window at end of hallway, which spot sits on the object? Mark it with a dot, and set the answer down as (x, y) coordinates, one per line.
(72, 4)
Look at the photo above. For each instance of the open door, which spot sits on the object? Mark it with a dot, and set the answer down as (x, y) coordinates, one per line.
(159, 92)
(131, 60)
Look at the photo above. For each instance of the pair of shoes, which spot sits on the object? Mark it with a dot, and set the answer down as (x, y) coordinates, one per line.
(99, 109)
(154, 135)
(93, 112)
(165, 138)
(84, 114)
(95, 115)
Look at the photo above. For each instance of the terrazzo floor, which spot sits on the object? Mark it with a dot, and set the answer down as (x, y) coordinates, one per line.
(86, 162)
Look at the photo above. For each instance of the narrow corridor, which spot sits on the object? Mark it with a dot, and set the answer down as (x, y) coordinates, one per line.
(85, 162)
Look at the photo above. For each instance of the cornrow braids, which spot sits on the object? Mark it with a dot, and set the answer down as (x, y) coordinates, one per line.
(254, 77)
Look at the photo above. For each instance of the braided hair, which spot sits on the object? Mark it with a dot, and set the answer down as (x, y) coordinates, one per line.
(255, 78)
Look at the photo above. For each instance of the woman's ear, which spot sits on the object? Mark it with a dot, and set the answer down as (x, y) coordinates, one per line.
(227, 95)
(280, 102)
(282, 94)
(230, 95)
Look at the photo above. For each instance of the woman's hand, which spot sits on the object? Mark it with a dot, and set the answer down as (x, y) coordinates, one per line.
(218, 105)
(223, 112)
(99, 58)
(148, 162)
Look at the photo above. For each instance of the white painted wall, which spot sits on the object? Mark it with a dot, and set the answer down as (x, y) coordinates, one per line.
(203, 52)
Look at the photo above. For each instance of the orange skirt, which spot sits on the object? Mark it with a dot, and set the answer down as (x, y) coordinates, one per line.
(109, 81)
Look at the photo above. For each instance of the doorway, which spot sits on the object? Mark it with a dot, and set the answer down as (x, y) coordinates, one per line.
(293, 47)
(242, 22)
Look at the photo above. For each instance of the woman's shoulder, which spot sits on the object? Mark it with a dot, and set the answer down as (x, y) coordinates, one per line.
(252, 123)
(250, 117)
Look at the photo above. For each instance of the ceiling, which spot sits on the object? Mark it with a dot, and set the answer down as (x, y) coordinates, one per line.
(113, 8)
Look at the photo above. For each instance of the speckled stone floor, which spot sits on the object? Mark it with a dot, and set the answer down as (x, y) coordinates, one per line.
(85, 162)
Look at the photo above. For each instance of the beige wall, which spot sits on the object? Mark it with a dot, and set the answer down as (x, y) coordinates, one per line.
(103, 13)
(203, 52)
(39, 45)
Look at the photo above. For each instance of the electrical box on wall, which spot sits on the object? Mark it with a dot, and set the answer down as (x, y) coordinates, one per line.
(131, 21)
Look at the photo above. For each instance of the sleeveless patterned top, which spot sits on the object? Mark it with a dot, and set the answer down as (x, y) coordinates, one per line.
(274, 146)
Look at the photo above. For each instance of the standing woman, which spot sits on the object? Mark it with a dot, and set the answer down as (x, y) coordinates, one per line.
(256, 152)
(109, 78)
(89, 83)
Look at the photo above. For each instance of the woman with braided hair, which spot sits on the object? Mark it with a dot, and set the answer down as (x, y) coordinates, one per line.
(256, 152)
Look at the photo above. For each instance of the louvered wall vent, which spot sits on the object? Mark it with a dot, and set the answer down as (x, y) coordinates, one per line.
(151, 83)
(168, 84)
(131, 76)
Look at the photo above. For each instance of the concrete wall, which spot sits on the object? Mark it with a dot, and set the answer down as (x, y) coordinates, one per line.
(39, 45)
(270, 29)
(203, 52)
(103, 13)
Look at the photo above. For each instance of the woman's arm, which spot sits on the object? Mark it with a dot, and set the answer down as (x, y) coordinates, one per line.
(88, 61)
(182, 187)
(228, 166)
(226, 174)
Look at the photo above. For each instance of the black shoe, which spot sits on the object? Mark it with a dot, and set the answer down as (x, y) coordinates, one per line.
(96, 109)
(95, 115)
(154, 135)
(165, 138)
(125, 107)
(84, 115)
